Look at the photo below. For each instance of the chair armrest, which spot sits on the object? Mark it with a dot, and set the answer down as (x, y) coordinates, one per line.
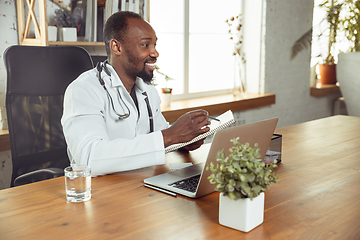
(40, 174)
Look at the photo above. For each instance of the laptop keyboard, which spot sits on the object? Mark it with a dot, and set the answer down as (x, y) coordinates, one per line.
(187, 184)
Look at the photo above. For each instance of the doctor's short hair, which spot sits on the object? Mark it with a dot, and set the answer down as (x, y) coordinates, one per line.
(116, 26)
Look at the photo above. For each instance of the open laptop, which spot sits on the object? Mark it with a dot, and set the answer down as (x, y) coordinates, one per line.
(178, 181)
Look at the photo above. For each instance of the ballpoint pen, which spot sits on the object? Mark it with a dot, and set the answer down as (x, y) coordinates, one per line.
(214, 118)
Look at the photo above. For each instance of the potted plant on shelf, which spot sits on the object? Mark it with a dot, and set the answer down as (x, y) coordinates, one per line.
(166, 92)
(327, 69)
(67, 24)
(241, 177)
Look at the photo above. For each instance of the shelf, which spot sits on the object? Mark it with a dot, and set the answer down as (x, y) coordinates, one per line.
(321, 90)
(58, 43)
(216, 104)
(40, 25)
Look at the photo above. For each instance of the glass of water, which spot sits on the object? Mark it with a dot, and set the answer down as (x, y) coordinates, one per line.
(78, 183)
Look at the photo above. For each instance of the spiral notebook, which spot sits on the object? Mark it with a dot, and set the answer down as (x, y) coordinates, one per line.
(225, 120)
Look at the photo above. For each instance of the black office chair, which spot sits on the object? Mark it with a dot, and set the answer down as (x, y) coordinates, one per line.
(36, 81)
(96, 59)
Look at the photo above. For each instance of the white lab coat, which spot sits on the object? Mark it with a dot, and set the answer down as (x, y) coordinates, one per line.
(94, 134)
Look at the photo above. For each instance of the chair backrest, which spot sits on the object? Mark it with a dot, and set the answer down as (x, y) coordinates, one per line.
(96, 59)
(37, 78)
(348, 76)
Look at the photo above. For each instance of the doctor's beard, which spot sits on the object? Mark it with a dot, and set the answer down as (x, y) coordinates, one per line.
(146, 77)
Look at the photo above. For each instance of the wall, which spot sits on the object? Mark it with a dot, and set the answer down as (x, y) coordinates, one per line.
(289, 80)
(8, 37)
(285, 22)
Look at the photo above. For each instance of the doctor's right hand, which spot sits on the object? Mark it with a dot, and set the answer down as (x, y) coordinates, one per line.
(187, 127)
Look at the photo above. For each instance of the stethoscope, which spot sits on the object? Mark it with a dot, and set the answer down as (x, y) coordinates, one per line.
(100, 67)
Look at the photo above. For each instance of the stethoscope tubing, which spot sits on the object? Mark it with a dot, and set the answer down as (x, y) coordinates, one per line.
(100, 67)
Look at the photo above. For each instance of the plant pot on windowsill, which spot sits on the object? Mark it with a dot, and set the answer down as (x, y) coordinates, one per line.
(241, 178)
(327, 73)
(166, 95)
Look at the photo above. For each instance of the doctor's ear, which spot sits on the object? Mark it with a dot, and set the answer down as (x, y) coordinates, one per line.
(115, 46)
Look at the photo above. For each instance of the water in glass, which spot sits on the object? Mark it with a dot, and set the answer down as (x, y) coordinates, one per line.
(78, 183)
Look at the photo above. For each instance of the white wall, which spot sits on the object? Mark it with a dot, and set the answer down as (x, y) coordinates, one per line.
(8, 37)
(286, 21)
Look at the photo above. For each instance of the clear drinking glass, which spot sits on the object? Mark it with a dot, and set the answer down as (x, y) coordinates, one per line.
(78, 183)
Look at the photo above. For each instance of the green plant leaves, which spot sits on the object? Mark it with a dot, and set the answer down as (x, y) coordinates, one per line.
(241, 174)
(250, 177)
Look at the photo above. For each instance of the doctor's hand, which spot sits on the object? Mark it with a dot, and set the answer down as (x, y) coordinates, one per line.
(193, 146)
(187, 127)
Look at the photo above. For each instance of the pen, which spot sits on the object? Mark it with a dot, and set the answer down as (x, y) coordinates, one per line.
(214, 118)
(161, 190)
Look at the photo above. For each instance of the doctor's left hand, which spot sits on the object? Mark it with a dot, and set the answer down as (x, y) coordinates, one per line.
(187, 127)
(194, 145)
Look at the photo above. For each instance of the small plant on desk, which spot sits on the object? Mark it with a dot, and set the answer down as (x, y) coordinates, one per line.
(242, 178)
(241, 174)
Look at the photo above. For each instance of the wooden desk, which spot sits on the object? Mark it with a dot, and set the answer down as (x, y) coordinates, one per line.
(318, 197)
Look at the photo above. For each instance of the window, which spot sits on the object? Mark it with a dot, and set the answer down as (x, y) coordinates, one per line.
(194, 45)
(319, 46)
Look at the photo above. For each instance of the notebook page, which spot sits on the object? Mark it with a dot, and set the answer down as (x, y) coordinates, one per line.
(226, 119)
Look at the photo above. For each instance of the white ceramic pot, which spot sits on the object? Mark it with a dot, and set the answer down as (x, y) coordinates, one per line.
(52, 33)
(242, 214)
(69, 34)
(166, 99)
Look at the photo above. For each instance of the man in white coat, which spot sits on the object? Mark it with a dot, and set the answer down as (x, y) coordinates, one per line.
(112, 119)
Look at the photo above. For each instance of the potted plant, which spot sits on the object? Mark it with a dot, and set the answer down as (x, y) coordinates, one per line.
(241, 177)
(327, 68)
(67, 24)
(166, 92)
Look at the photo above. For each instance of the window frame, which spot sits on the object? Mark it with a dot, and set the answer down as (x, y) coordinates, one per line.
(186, 61)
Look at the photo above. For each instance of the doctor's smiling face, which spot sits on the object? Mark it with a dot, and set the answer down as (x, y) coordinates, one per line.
(130, 44)
(140, 49)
